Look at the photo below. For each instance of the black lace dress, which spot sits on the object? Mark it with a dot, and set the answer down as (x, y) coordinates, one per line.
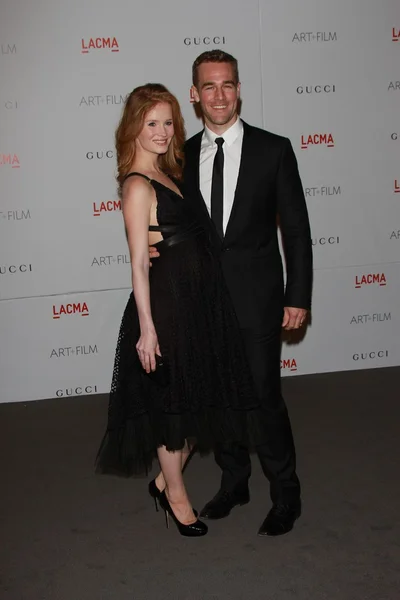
(210, 393)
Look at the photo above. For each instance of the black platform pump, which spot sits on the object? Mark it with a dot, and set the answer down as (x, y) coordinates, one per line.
(196, 529)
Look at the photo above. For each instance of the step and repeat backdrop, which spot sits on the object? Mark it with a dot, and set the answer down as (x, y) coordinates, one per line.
(324, 74)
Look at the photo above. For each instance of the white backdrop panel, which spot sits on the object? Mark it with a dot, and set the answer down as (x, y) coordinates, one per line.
(59, 345)
(69, 106)
(315, 68)
(352, 327)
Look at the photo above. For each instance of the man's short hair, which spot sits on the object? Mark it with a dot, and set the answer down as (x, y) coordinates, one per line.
(214, 56)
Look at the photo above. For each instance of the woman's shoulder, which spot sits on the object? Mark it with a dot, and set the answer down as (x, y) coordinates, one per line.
(137, 185)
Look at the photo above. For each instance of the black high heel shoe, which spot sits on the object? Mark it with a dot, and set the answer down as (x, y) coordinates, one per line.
(196, 529)
(155, 493)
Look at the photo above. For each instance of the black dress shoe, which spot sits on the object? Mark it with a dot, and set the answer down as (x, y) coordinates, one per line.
(221, 505)
(280, 519)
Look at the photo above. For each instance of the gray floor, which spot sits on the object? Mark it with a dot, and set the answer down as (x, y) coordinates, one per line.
(67, 534)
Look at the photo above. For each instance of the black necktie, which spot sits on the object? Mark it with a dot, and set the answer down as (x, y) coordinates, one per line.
(217, 188)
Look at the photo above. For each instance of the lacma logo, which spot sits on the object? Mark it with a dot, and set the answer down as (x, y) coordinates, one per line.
(288, 364)
(396, 186)
(99, 43)
(109, 206)
(317, 139)
(370, 279)
(70, 309)
(9, 160)
(395, 34)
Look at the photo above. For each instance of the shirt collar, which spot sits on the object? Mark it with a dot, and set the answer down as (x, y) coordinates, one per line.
(230, 135)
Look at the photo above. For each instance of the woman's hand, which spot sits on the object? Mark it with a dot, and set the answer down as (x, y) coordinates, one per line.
(147, 347)
(153, 253)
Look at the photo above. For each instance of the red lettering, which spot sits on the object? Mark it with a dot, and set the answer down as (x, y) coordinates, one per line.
(371, 279)
(70, 309)
(396, 187)
(100, 43)
(317, 139)
(109, 206)
(289, 363)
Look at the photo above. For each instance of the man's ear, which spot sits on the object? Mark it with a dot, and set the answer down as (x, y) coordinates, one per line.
(194, 94)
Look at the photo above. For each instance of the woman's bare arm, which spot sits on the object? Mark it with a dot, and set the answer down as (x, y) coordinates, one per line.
(137, 199)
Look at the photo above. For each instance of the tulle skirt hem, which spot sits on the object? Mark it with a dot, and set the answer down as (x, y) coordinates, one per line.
(131, 449)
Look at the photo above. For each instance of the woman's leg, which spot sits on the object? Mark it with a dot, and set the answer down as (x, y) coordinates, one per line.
(185, 453)
(171, 467)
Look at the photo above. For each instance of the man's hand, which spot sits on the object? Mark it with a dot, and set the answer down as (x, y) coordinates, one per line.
(153, 253)
(293, 318)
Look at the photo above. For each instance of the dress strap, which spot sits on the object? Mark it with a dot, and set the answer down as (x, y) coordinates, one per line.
(135, 173)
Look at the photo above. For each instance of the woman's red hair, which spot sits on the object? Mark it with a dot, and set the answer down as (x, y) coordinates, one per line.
(137, 105)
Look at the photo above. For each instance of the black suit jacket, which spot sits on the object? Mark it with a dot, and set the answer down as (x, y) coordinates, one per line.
(268, 188)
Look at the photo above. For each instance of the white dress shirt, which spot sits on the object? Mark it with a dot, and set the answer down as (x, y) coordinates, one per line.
(232, 155)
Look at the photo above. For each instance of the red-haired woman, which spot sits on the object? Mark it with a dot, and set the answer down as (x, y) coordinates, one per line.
(180, 374)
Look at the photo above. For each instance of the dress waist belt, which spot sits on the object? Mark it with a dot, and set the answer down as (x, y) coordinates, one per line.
(180, 236)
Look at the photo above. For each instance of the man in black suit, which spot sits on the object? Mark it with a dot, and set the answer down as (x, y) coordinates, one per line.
(242, 179)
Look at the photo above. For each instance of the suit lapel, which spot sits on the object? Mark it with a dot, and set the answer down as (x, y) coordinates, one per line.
(243, 181)
(192, 176)
(192, 172)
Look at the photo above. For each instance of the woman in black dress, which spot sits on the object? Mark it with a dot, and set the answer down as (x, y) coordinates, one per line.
(180, 373)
